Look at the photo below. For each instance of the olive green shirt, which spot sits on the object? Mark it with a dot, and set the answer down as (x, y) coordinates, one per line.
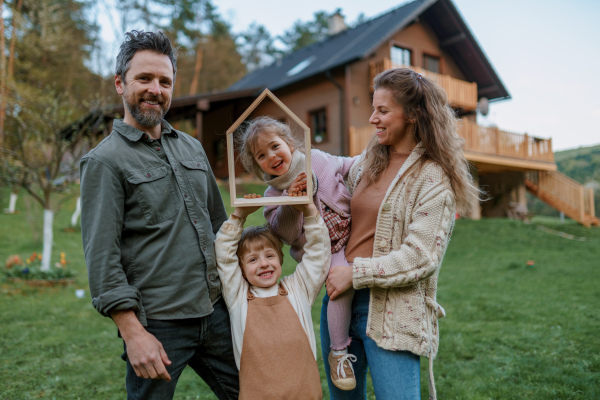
(150, 213)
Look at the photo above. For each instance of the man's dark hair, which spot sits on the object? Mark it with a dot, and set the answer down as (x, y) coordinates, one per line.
(139, 40)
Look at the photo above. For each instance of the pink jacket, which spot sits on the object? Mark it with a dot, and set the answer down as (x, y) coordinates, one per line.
(331, 172)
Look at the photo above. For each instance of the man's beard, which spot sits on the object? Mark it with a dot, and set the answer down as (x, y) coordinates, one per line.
(149, 118)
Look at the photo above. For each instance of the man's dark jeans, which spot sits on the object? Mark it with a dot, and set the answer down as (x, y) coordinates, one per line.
(202, 343)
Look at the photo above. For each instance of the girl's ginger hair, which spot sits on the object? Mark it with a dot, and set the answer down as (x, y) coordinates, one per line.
(425, 102)
(248, 134)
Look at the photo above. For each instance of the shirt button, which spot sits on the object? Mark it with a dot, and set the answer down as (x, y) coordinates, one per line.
(175, 169)
(195, 221)
(158, 148)
(386, 207)
(185, 195)
(378, 335)
(380, 307)
(382, 243)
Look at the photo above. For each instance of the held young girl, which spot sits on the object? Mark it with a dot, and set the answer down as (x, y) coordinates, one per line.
(273, 337)
(269, 150)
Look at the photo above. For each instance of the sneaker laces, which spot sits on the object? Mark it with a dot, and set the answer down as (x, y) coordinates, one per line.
(346, 358)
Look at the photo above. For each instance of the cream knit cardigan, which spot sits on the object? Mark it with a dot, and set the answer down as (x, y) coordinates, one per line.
(413, 229)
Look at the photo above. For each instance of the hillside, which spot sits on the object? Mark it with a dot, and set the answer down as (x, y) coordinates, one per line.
(581, 164)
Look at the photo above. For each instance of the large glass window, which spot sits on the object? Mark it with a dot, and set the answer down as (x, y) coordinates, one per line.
(431, 63)
(400, 56)
(318, 125)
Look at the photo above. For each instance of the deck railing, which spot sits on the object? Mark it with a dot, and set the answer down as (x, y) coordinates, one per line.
(461, 94)
(491, 140)
(480, 139)
(578, 198)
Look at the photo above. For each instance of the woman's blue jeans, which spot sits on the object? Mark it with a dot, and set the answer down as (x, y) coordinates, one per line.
(395, 374)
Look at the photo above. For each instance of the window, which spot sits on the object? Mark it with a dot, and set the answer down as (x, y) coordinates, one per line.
(301, 66)
(400, 56)
(318, 125)
(431, 63)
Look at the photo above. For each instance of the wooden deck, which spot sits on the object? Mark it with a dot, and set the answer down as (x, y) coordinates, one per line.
(461, 94)
(484, 145)
(493, 150)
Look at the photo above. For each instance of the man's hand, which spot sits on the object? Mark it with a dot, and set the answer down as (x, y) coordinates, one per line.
(146, 354)
(298, 187)
(339, 280)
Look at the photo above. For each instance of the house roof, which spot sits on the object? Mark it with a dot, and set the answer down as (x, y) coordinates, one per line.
(359, 42)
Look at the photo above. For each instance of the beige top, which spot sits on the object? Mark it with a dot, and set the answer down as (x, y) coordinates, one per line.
(364, 207)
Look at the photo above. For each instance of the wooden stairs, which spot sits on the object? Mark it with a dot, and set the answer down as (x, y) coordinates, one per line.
(563, 194)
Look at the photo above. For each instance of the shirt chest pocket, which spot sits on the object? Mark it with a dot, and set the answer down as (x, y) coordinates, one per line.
(195, 172)
(154, 193)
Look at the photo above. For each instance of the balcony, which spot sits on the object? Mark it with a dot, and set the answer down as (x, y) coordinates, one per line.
(485, 145)
(461, 94)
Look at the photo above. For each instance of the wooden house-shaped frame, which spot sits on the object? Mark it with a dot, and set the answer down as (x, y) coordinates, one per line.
(264, 201)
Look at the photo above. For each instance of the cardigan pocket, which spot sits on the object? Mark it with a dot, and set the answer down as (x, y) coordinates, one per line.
(409, 315)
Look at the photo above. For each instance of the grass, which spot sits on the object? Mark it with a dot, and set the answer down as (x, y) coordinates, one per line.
(512, 331)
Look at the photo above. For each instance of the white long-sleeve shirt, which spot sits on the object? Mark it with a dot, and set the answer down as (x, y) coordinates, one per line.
(303, 286)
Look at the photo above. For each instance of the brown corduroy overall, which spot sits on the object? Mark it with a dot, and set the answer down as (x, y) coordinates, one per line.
(277, 361)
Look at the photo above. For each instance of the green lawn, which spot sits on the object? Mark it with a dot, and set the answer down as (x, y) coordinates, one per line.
(512, 331)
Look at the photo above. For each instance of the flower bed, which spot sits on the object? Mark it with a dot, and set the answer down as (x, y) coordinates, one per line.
(30, 272)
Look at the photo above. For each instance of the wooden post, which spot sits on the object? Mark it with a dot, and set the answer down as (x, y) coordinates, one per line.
(581, 205)
(201, 106)
(352, 132)
(592, 205)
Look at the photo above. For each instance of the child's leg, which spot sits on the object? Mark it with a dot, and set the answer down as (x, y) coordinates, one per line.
(339, 310)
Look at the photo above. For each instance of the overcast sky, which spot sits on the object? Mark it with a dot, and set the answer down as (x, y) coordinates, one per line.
(546, 52)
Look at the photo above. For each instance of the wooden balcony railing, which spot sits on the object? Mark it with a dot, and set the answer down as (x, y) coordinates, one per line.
(480, 139)
(461, 94)
(493, 141)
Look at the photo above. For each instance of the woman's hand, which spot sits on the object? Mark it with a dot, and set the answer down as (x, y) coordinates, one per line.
(298, 187)
(339, 280)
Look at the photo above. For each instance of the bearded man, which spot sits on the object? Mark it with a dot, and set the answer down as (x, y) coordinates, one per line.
(150, 211)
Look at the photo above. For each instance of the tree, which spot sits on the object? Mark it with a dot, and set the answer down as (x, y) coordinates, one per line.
(256, 47)
(208, 57)
(50, 85)
(302, 34)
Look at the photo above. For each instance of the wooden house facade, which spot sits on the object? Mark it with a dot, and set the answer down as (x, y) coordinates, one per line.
(328, 86)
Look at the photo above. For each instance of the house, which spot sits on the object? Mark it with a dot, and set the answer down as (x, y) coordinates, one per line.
(328, 86)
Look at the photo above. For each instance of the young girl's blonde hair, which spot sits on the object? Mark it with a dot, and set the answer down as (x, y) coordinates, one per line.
(248, 134)
(425, 102)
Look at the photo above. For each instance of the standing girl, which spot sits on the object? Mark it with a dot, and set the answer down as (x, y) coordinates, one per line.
(269, 150)
(410, 181)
